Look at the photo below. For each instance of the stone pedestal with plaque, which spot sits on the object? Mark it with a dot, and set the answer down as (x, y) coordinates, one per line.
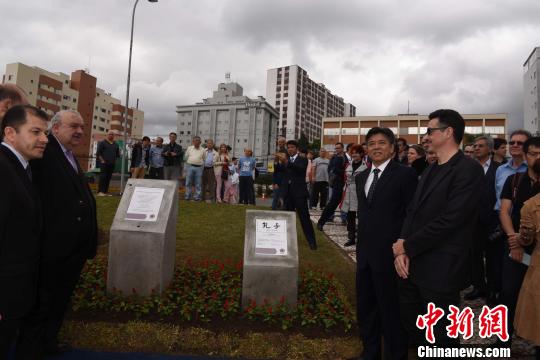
(270, 257)
(142, 248)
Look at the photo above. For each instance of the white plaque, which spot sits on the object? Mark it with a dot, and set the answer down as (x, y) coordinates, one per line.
(145, 203)
(271, 237)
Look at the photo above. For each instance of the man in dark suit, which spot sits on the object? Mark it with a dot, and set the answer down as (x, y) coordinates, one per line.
(432, 255)
(24, 138)
(70, 237)
(295, 193)
(383, 192)
(487, 221)
(336, 174)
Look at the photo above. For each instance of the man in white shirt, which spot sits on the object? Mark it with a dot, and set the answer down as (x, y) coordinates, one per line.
(194, 159)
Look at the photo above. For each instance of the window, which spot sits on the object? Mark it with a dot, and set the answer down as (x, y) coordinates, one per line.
(10, 77)
(95, 117)
(332, 131)
(349, 131)
(74, 100)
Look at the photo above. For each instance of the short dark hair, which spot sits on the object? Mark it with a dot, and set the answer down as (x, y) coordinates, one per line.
(145, 138)
(12, 92)
(303, 150)
(292, 142)
(386, 132)
(520, 132)
(339, 143)
(172, 133)
(349, 145)
(404, 141)
(532, 141)
(16, 116)
(450, 118)
(497, 142)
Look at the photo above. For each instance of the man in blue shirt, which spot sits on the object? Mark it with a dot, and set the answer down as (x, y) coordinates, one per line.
(156, 160)
(495, 248)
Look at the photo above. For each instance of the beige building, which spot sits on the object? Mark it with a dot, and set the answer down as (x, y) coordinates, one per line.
(409, 126)
(53, 92)
(301, 102)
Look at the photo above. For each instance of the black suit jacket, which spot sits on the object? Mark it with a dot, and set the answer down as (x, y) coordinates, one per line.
(487, 217)
(20, 227)
(294, 178)
(69, 208)
(438, 230)
(379, 223)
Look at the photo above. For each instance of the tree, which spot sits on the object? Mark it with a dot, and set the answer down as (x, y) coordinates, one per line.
(303, 142)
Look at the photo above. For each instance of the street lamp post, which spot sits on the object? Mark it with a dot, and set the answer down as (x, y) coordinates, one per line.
(124, 151)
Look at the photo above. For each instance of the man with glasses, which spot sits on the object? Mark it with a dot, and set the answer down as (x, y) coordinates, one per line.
(486, 224)
(432, 255)
(517, 189)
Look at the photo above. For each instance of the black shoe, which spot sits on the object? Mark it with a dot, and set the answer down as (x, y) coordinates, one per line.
(57, 349)
(350, 243)
(320, 226)
(474, 294)
(313, 246)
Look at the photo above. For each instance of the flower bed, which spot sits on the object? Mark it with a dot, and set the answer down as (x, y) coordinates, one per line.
(212, 290)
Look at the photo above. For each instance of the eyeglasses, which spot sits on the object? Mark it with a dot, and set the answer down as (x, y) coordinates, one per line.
(533, 154)
(516, 143)
(430, 131)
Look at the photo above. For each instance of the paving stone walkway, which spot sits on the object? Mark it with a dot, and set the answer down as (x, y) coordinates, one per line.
(337, 233)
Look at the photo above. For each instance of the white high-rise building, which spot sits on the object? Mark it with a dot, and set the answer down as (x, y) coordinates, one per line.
(301, 102)
(531, 99)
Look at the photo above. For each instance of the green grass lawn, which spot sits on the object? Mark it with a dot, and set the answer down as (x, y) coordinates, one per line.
(216, 231)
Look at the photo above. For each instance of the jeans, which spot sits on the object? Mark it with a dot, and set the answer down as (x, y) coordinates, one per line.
(105, 177)
(172, 172)
(193, 177)
(156, 173)
(247, 192)
(320, 188)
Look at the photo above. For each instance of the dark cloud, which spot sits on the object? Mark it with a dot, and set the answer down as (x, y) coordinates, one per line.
(375, 54)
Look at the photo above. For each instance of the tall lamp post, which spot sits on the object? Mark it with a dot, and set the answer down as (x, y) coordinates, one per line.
(124, 151)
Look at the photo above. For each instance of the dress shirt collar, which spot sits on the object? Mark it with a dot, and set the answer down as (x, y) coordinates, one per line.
(380, 167)
(486, 165)
(22, 160)
(293, 158)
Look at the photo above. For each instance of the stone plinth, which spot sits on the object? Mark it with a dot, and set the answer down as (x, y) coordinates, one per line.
(142, 248)
(270, 273)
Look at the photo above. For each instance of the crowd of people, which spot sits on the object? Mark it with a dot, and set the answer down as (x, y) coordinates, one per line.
(428, 220)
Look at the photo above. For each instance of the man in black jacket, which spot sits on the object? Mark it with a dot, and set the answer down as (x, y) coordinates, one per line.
(295, 193)
(23, 129)
(433, 254)
(383, 192)
(173, 154)
(336, 174)
(487, 221)
(69, 237)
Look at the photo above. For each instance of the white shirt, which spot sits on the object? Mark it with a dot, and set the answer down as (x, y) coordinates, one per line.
(371, 175)
(23, 161)
(348, 157)
(486, 165)
(292, 158)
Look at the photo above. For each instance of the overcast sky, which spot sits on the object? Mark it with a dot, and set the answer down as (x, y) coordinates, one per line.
(376, 54)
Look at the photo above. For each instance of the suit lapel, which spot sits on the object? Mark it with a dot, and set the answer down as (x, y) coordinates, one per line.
(443, 173)
(18, 168)
(385, 176)
(360, 180)
(75, 177)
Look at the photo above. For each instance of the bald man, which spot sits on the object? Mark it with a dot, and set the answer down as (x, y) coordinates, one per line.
(10, 95)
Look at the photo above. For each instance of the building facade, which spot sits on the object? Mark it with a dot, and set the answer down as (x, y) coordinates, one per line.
(531, 97)
(410, 127)
(100, 111)
(231, 118)
(301, 102)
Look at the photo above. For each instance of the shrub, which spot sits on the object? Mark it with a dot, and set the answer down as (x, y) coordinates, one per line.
(211, 289)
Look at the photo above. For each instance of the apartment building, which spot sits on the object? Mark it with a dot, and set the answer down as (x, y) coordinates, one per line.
(531, 97)
(301, 102)
(231, 118)
(53, 92)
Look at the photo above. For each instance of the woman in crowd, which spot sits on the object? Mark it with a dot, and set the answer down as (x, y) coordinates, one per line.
(221, 170)
(417, 158)
(246, 169)
(231, 186)
(527, 318)
(350, 201)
